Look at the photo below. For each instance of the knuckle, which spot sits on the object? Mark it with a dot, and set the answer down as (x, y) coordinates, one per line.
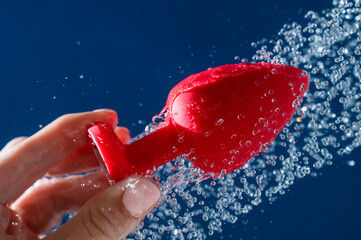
(69, 126)
(62, 122)
(100, 223)
(14, 142)
(65, 119)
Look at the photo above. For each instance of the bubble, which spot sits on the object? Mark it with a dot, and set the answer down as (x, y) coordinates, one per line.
(240, 116)
(351, 163)
(219, 122)
(208, 133)
(159, 118)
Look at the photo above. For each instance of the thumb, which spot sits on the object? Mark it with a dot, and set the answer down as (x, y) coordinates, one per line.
(113, 213)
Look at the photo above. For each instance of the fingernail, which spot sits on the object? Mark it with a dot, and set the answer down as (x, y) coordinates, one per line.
(113, 118)
(102, 110)
(140, 196)
(4, 217)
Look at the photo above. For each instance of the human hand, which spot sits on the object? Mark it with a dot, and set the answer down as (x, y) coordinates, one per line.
(28, 210)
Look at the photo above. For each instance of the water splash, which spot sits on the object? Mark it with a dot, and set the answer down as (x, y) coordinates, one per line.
(327, 125)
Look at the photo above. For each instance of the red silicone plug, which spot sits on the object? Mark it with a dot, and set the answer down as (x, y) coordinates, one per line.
(221, 118)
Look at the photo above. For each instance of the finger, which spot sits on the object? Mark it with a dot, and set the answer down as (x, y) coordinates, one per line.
(42, 206)
(4, 236)
(31, 159)
(4, 218)
(83, 159)
(13, 143)
(123, 134)
(18, 229)
(113, 213)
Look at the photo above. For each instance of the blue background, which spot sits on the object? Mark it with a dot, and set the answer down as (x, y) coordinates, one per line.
(130, 54)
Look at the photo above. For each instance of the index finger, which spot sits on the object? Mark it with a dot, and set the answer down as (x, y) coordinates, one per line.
(29, 160)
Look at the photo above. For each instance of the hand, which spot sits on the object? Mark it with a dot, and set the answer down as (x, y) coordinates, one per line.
(31, 205)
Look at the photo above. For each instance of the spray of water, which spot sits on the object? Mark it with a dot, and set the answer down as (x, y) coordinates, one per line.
(326, 126)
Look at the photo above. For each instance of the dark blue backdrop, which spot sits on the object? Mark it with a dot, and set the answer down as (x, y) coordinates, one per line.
(67, 56)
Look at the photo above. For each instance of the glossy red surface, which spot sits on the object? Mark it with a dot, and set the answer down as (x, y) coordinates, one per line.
(221, 118)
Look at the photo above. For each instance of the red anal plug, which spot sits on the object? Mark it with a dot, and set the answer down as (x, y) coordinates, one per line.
(221, 118)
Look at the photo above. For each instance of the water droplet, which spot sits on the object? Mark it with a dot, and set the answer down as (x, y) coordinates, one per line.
(351, 163)
(208, 133)
(240, 116)
(157, 178)
(219, 122)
